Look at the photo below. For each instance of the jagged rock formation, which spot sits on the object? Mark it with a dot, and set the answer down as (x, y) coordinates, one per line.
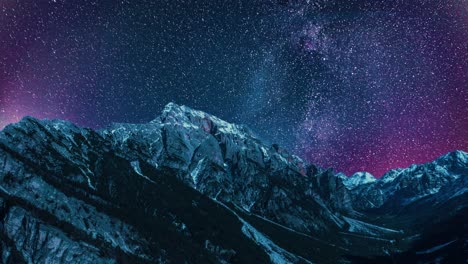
(401, 187)
(191, 188)
(227, 162)
(359, 178)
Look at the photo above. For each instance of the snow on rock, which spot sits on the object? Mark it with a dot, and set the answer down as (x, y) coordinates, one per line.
(226, 161)
(402, 187)
(359, 178)
(77, 172)
(391, 175)
(277, 254)
(136, 167)
(356, 226)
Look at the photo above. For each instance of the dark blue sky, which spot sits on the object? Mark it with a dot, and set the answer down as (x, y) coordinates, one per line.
(355, 85)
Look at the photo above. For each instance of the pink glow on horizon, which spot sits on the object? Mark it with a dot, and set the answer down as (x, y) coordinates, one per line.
(380, 159)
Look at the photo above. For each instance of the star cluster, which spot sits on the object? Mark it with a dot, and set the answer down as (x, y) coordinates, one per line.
(354, 85)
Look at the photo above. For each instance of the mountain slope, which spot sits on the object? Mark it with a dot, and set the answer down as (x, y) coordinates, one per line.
(189, 187)
(228, 162)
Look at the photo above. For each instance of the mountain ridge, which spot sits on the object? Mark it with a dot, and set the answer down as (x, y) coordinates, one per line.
(228, 127)
(266, 196)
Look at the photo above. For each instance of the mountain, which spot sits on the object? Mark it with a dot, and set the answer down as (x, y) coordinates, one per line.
(229, 163)
(402, 187)
(358, 179)
(189, 187)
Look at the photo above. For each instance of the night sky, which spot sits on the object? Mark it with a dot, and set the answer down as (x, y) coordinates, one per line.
(355, 85)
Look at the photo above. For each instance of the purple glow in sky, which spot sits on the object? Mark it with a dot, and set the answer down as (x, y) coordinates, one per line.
(353, 85)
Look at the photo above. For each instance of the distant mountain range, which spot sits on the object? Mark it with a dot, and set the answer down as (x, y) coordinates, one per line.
(189, 187)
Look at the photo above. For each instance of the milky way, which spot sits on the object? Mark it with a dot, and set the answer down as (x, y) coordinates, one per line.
(371, 85)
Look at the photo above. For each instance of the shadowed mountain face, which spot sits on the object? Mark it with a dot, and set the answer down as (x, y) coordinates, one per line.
(191, 188)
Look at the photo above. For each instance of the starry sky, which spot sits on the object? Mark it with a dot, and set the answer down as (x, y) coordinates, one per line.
(357, 85)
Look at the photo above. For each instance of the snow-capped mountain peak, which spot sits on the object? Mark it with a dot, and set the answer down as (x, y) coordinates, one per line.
(191, 118)
(457, 158)
(359, 178)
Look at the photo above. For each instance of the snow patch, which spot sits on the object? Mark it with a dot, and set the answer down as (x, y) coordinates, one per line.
(391, 175)
(357, 226)
(137, 169)
(265, 152)
(359, 178)
(277, 254)
(195, 172)
(460, 192)
(88, 178)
